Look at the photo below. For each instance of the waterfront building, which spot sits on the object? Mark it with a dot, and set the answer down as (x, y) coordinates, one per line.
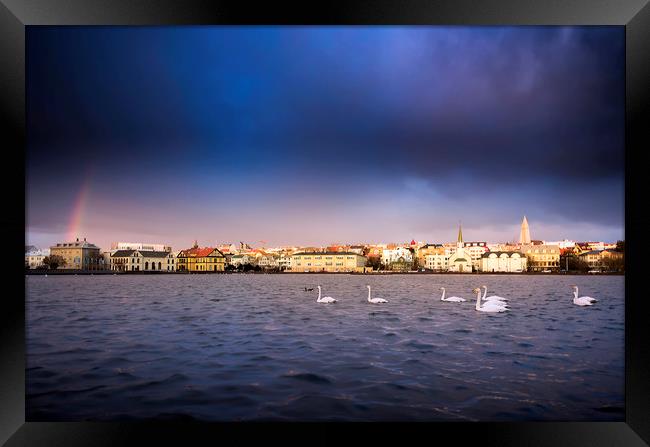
(542, 257)
(34, 257)
(524, 233)
(597, 259)
(504, 261)
(438, 262)
(328, 261)
(399, 258)
(158, 260)
(476, 250)
(460, 261)
(241, 259)
(105, 259)
(200, 259)
(78, 255)
(125, 261)
(428, 249)
(140, 246)
(142, 261)
(284, 261)
(268, 261)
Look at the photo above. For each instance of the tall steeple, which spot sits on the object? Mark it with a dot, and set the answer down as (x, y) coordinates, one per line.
(459, 243)
(524, 235)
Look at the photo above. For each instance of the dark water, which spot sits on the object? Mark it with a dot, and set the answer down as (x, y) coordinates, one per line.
(241, 347)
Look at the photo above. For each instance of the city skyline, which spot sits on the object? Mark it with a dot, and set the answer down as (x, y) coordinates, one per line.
(311, 135)
(265, 244)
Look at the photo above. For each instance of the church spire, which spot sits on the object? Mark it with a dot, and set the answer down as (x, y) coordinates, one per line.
(524, 235)
(460, 233)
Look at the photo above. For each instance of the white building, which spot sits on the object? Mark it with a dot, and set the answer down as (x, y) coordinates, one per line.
(284, 261)
(437, 262)
(34, 258)
(504, 261)
(460, 261)
(476, 250)
(241, 259)
(140, 246)
(396, 255)
(268, 261)
(143, 260)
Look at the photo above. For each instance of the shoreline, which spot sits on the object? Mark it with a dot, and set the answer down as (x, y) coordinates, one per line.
(109, 272)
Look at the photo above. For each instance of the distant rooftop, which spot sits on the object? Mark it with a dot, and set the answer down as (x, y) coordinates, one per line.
(326, 253)
(75, 244)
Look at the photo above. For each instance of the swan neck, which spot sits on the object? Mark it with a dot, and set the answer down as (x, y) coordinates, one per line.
(318, 299)
(478, 299)
(368, 293)
(484, 292)
(442, 298)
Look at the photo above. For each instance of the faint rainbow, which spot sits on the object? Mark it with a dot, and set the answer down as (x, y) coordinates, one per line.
(76, 217)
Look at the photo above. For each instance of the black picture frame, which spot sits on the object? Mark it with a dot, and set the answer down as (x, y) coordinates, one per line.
(16, 15)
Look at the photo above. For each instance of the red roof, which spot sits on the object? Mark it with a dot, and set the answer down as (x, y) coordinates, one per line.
(412, 241)
(199, 252)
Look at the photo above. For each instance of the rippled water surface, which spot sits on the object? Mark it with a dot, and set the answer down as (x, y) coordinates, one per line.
(241, 347)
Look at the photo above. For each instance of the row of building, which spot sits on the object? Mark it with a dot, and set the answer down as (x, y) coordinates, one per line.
(460, 256)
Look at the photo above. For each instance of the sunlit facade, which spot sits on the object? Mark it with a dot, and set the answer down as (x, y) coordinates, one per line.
(78, 255)
(197, 259)
(328, 262)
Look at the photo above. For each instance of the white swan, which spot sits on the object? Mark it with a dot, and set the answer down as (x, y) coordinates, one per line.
(326, 299)
(455, 299)
(583, 300)
(375, 300)
(489, 306)
(492, 297)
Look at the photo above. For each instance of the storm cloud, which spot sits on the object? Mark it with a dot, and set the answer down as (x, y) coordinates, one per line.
(484, 123)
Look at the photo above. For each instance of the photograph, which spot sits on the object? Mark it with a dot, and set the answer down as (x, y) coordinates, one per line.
(325, 223)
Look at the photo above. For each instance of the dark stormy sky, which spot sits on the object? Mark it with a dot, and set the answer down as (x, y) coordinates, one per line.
(313, 135)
